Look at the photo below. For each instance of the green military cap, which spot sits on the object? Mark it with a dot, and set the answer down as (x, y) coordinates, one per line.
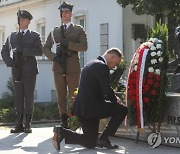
(66, 6)
(24, 14)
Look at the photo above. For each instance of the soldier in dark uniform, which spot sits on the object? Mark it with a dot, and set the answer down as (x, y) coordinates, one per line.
(25, 45)
(66, 66)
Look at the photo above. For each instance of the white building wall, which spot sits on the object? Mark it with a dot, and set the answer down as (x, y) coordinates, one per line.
(95, 15)
(97, 12)
(129, 44)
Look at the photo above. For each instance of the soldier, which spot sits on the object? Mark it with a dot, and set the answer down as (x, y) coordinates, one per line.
(66, 66)
(25, 45)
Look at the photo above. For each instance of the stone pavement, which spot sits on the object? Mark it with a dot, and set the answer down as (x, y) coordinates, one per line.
(40, 142)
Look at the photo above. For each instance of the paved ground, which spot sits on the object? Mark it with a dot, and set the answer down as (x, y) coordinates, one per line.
(40, 142)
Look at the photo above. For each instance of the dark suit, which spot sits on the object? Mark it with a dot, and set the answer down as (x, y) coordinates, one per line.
(24, 90)
(91, 105)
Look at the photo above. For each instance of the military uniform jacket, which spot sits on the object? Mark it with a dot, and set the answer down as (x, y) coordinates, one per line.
(77, 38)
(32, 47)
(94, 90)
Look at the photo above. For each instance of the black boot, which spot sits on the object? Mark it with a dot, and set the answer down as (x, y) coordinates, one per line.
(64, 121)
(27, 128)
(19, 127)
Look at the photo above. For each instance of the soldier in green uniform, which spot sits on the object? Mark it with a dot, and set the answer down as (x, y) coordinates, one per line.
(69, 40)
(25, 44)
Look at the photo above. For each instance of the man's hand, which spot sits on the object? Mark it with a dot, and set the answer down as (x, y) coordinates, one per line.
(19, 49)
(57, 59)
(64, 43)
(59, 50)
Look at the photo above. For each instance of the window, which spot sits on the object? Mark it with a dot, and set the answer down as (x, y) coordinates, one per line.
(82, 55)
(104, 33)
(41, 28)
(2, 39)
(42, 32)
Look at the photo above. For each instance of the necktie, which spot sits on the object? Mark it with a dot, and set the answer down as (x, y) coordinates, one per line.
(22, 33)
(65, 26)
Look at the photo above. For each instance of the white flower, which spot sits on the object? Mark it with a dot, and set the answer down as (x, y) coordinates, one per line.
(160, 59)
(135, 67)
(160, 42)
(157, 71)
(151, 69)
(146, 44)
(115, 68)
(135, 61)
(153, 61)
(159, 53)
(153, 54)
(153, 48)
(158, 46)
(151, 40)
(112, 71)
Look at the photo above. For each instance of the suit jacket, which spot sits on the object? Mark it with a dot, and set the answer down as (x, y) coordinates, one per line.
(94, 90)
(77, 38)
(32, 47)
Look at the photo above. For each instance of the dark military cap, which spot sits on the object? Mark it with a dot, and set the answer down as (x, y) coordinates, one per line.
(24, 14)
(66, 6)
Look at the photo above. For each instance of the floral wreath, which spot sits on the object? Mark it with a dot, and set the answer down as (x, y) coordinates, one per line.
(143, 86)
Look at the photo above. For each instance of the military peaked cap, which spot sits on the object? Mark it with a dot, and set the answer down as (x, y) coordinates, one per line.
(24, 14)
(66, 6)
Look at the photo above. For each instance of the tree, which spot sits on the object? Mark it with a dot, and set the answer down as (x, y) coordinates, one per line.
(159, 9)
(153, 7)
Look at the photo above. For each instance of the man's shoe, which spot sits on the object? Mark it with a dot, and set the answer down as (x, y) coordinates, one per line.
(105, 144)
(18, 128)
(58, 137)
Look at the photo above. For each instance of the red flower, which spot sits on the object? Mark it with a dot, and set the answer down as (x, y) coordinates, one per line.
(144, 80)
(143, 91)
(133, 98)
(133, 91)
(150, 75)
(132, 75)
(153, 92)
(158, 77)
(130, 86)
(130, 81)
(157, 84)
(146, 87)
(146, 100)
(71, 114)
(150, 81)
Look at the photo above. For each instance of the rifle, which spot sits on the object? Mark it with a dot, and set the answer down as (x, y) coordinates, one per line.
(18, 57)
(62, 52)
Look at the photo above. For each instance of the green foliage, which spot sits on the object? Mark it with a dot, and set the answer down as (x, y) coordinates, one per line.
(73, 119)
(115, 77)
(45, 112)
(74, 123)
(8, 113)
(7, 107)
(160, 31)
(152, 7)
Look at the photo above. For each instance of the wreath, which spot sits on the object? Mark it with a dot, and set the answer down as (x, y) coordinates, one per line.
(145, 82)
